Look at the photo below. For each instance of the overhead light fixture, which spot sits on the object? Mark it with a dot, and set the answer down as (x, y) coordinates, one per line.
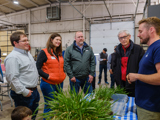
(15, 2)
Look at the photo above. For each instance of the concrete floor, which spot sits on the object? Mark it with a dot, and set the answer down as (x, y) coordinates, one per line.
(6, 103)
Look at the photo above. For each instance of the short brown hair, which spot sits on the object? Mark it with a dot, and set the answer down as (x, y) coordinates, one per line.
(50, 45)
(16, 37)
(151, 22)
(20, 112)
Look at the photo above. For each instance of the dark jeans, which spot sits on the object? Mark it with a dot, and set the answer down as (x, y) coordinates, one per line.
(112, 80)
(83, 83)
(47, 90)
(93, 83)
(101, 67)
(31, 102)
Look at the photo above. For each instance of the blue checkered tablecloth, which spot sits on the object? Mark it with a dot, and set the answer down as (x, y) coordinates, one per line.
(130, 111)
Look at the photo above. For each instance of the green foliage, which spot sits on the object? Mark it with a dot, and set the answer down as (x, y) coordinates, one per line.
(106, 93)
(119, 90)
(72, 106)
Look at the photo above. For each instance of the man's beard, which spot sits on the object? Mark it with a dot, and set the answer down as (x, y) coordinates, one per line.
(145, 41)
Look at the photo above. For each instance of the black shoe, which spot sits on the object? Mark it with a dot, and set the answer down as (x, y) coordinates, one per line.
(107, 83)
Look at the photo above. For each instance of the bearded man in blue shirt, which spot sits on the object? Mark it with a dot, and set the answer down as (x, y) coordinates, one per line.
(147, 79)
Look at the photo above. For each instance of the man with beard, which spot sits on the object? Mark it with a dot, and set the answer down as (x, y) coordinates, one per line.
(127, 60)
(148, 77)
(79, 63)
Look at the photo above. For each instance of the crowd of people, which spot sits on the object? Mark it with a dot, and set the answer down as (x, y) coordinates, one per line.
(130, 67)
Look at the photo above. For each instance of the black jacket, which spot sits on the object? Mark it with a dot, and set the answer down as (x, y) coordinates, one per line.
(134, 53)
(113, 58)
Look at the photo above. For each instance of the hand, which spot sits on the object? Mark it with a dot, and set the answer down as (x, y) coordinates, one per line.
(104, 59)
(131, 77)
(111, 72)
(29, 94)
(90, 79)
(73, 79)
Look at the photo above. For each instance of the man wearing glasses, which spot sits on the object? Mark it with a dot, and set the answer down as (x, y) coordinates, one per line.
(21, 73)
(127, 60)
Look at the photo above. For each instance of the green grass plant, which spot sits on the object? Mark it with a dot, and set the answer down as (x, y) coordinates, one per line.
(72, 106)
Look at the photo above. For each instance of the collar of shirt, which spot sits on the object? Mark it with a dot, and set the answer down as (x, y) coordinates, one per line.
(81, 49)
(21, 51)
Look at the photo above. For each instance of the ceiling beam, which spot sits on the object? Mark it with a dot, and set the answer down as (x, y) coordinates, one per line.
(107, 9)
(2, 12)
(136, 9)
(5, 4)
(17, 5)
(8, 8)
(33, 3)
(7, 21)
(48, 1)
(79, 12)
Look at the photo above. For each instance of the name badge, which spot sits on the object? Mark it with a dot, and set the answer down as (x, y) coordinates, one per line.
(52, 57)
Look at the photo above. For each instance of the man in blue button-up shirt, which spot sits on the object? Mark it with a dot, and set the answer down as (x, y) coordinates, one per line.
(21, 73)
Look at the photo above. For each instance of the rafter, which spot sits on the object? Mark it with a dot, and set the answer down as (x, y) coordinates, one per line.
(107, 9)
(2, 12)
(33, 3)
(9, 8)
(48, 1)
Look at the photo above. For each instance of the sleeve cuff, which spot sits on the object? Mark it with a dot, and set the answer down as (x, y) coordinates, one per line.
(25, 92)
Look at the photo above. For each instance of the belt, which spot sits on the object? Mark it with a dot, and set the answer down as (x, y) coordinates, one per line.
(32, 88)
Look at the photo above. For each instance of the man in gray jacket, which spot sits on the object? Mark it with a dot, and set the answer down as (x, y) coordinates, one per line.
(79, 63)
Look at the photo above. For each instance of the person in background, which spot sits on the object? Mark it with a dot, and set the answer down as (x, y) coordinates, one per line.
(1, 72)
(111, 65)
(94, 78)
(50, 65)
(21, 113)
(0, 53)
(127, 60)
(103, 58)
(79, 63)
(21, 73)
(147, 79)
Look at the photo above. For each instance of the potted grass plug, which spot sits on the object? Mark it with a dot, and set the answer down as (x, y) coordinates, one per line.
(72, 106)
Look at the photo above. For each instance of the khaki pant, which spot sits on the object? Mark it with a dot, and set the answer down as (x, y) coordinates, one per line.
(147, 115)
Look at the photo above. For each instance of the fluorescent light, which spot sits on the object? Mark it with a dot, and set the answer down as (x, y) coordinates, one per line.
(4, 54)
(15, 2)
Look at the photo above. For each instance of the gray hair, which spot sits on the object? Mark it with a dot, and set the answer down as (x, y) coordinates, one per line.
(124, 31)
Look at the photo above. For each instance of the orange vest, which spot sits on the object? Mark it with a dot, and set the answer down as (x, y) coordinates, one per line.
(54, 68)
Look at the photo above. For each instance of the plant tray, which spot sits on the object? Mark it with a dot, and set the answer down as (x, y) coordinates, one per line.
(119, 104)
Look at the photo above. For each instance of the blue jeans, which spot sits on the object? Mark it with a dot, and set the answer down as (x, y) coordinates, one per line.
(112, 81)
(31, 102)
(83, 83)
(47, 90)
(101, 67)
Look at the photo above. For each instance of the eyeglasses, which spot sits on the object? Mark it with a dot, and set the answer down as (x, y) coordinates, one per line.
(124, 37)
(24, 41)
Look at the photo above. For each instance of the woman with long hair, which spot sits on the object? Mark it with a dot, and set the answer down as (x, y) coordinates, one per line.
(50, 67)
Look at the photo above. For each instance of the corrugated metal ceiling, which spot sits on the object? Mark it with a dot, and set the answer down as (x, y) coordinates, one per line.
(7, 6)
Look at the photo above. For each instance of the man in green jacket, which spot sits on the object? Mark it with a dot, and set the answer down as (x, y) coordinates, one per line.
(79, 63)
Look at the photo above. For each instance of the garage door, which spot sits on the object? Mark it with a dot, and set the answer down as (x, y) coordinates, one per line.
(105, 36)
